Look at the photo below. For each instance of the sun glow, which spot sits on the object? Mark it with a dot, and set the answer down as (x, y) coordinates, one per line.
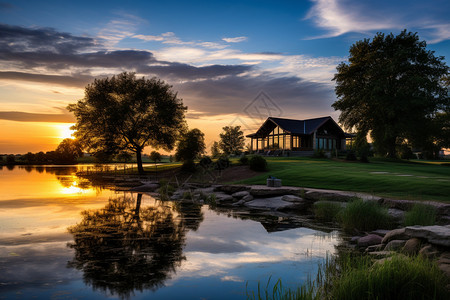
(64, 131)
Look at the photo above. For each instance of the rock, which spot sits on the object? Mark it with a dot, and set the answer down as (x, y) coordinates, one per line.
(397, 214)
(396, 234)
(319, 195)
(265, 192)
(429, 251)
(380, 254)
(240, 195)
(380, 232)
(239, 203)
(437, 235)
(231, 189)
(398, 204)
(374, 248)
(268, 203)
(223, 198)
(369, 240)
(394, 245)
(248, 198)
(445, 268)
(412, 246)
(292, 198)
(150, 187)
(355, 239)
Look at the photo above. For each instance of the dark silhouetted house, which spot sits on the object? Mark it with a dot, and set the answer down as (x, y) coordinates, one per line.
(298, 137)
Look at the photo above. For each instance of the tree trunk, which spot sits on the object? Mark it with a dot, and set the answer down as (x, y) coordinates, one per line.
(139, 162)
(138, 206)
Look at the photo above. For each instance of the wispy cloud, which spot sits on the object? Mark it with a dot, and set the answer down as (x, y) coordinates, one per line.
(171, 39)
(235, 39)
(65, 117)
(339, 17)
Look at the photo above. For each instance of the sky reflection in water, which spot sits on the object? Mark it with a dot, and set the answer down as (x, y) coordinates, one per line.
(163, 250)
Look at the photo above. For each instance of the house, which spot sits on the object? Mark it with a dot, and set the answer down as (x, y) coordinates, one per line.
(298, 137)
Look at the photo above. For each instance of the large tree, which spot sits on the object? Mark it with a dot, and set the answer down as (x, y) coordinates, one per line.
(232, 140)
(392, 88)
(128, 113)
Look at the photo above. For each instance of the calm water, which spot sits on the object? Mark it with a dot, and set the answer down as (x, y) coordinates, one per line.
(60, 238)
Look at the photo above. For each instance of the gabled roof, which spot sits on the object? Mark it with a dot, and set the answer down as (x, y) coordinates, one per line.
(298, 127)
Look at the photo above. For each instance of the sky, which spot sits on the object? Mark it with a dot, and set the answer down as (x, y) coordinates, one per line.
(232, 62)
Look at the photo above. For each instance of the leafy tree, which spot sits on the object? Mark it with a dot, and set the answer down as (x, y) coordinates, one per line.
(155, 156)
(128, 113)
(215, 150)
(68, 151)
(392, 88)
(191, 145)
(232, 140)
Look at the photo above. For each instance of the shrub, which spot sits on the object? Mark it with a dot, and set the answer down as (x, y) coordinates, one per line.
(397, 277)
(205, 161)
(188, 166)
(420, 214)
(326, 211)
(243, 160)
(364, 216)
(222, 163)
(258, 163)
(351, 156)
(319, 153)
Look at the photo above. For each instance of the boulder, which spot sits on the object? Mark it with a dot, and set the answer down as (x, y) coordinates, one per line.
(429, 251)
(319, 195)
(265, 192)
(369, 240)
(231, 189)
(380, 232)
(224, 198)
(248, 198)
(374, 248)
(240, 195)
(436, 235)
(292, 198)
(355, 239)
(394, 245)
(396, 234)
(412, 246)
(273, 203)
(397, 214)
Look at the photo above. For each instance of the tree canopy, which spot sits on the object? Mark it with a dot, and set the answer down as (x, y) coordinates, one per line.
(191, 145)
(128, 113)
(232, 140)
(392, 87)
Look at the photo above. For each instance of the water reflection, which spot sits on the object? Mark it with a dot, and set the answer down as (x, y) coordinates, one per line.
(124, 247)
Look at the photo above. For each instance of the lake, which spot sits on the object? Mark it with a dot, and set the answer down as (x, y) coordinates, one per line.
(61, 238)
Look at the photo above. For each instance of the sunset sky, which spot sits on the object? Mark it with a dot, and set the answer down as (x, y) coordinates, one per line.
(232, 62)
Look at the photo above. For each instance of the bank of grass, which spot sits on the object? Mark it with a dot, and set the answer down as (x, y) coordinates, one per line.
(363, 216)
(386, 178)
(347, 277)
(420, 214)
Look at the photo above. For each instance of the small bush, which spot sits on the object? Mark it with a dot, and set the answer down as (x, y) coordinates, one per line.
(205, 161)
(351, 156)
(398, 277)
(243, 160)
(222, 163)
(326, 211)
(319, 153)
(363, 216)
(188, 166)
(258, 163)
(420, 214)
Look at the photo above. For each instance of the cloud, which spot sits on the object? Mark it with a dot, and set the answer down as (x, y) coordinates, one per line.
(79, 81)
(237, 39)
(36, 117)
(171, 39)
(341, 17)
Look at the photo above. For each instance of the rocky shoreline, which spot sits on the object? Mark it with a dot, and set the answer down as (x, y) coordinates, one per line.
(430, 241)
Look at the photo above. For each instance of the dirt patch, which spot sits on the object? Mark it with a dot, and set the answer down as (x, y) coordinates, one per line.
(236, 173)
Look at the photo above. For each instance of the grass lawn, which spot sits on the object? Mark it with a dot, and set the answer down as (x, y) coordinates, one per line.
(395, 179)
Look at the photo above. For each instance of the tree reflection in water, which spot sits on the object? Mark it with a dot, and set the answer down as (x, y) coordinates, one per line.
(125, 247)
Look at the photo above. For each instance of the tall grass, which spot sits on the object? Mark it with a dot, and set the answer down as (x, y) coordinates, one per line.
(398, 277)
(420, 214)
(326, 211)
(355, 278)
(364, 216)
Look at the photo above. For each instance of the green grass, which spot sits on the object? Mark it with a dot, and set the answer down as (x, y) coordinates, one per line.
(326, 211)
(420, 214)
(364, 216)
(354, 278)
(394, 179)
